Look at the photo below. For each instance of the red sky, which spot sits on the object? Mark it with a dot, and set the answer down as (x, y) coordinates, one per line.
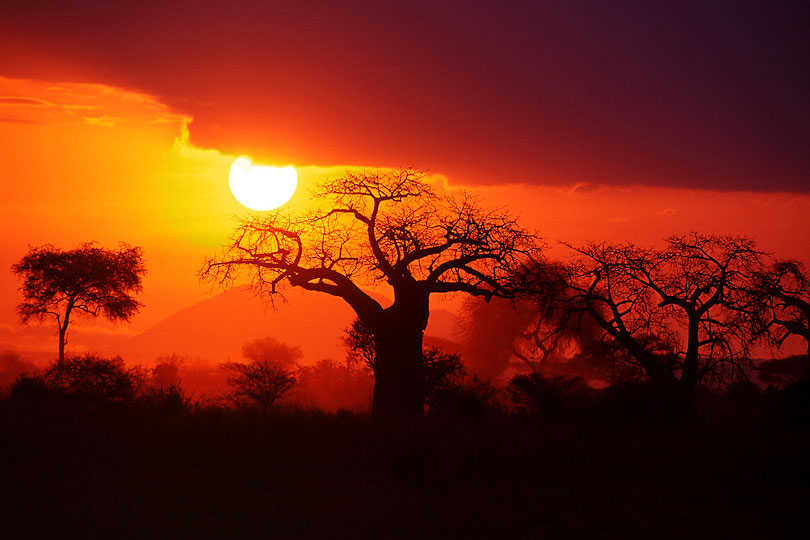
(696, 94)
(118, 121)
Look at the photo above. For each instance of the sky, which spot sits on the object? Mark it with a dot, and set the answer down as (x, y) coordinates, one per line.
(590, 120)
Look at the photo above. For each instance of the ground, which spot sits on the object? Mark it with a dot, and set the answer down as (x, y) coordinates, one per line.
(214, 473)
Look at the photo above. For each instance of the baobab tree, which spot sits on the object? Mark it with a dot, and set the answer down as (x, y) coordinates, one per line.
(679, 311)
(375, 229)
(88, 280)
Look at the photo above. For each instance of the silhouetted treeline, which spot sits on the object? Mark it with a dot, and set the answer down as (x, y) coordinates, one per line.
(98, 449)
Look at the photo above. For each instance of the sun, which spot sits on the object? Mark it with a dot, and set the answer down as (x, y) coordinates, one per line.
(259, 187)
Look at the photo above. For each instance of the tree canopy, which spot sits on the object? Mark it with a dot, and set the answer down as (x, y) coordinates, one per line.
(781, 303)
(378, 227)
(88, 280)
(681, 311)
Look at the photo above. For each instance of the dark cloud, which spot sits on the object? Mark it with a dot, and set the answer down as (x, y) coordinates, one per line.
(696, 93)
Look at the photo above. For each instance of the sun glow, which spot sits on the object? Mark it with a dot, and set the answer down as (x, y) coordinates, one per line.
(259, 187)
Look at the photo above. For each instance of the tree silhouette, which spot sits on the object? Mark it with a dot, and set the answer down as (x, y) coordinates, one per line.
(360, 342)
(382, 228)
(534, 327)
(269, 349)
(439, 369)
(260, 382)
(95, 378)
(781, 303)
(269, 375)
(88, 280)
(680, 311)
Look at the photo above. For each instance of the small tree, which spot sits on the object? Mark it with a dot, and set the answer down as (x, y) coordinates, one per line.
(271, 350)
(89, 280)
(95, 378)
(360, 342)
(259, 382)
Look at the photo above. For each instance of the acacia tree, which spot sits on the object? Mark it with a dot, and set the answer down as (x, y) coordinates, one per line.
(680, 311)
(269, 349)
(261, 382)
(88, 280)
(382, 229)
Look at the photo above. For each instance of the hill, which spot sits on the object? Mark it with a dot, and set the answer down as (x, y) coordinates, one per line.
(214, 330)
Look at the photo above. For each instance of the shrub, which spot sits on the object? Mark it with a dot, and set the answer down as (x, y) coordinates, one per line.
(259, 383)
(471, 399)
(94, 378)
(169, 399)
(551, 398)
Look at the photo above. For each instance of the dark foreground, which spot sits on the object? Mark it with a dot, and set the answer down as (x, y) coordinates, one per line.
(132, 472)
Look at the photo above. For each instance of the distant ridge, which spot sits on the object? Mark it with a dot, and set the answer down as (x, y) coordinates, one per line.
(215, 330)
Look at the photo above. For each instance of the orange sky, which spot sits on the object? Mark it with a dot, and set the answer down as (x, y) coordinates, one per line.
(91, 162)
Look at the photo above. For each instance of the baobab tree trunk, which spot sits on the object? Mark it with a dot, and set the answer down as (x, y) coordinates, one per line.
(398, 372)
(398, 365)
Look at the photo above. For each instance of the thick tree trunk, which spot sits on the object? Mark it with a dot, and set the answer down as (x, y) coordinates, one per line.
(398, 373)
(398, 366)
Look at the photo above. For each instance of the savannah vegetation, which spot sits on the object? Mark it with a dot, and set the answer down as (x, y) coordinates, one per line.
(612, 394)
(87, 280)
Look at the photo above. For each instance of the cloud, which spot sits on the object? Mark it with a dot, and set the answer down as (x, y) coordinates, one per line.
(71, 107)
(19, 121)
(12, 100)
(104, 331)
(106, 121)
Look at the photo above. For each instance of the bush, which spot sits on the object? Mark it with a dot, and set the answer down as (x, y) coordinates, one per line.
(470, 399)
(645, 403)
(550, 398)
(94, 378)
(30, 389)
(169, 399)
(259, 383)
(796, 400)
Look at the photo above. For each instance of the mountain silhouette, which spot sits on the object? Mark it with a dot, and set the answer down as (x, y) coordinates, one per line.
(215, 330)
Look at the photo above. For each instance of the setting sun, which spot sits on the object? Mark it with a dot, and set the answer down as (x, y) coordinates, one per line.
(259, 187)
